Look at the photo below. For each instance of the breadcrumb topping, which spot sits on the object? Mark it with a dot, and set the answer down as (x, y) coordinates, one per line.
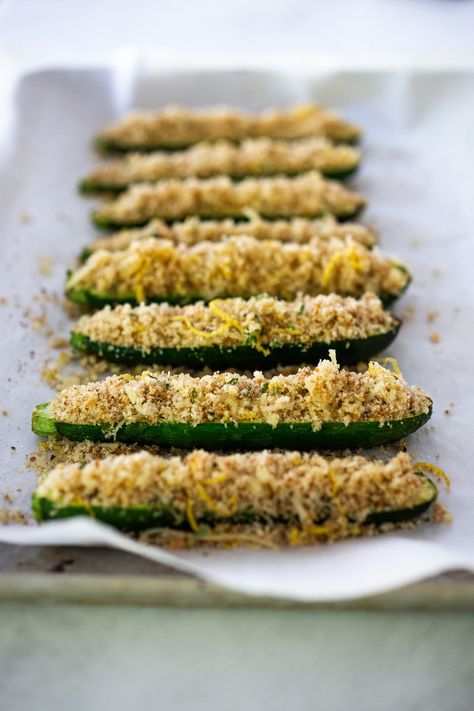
(176, 126)
(263, 320)
(290, 486)
(312, 395)
(239, 266)
(307, 195)
(256, 157)
(275, 536)
(193, 230)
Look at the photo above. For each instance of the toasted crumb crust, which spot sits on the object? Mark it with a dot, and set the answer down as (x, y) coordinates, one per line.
(193, 230)
(305, 320)
(176, 126)
(274, 536)
(307, 195)
(298, 488)
(256, 157)
(239, 266)
(313, 395)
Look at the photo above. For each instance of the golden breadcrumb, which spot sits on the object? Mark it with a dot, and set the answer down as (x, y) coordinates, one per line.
(175, 126)
(234, 322)
(307, 195)
(193, 230)
(253, 157)
(335, 495)
(317, 395)
(156, 269)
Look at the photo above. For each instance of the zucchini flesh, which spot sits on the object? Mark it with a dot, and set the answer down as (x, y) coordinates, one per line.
(242, 435)
(244, 356)
(162, 515)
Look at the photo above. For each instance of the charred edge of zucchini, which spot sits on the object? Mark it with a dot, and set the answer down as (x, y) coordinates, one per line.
(245, 356)
(162, 515)
(242, 435)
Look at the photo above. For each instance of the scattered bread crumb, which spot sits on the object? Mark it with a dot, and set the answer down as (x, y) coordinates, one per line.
(435, 337)
(409, 313)
(39, 321)
(45, 264)
(436, 272)
(12, 516)
(25, 217)
(58, 342)
(432, 315)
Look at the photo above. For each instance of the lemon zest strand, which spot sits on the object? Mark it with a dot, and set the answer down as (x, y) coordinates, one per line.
(434, 470)
(191, 517)
(294, 537)
(197, 331)
(351, 253)
(314, 530)
(233, 322)
(215, 480)
(206, 498)
(229, 322)
(375, 365)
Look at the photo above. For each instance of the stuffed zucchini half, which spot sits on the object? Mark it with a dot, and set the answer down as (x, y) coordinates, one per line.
(193, 230)
(323, 407)
(326, 499)
(158, 270)
(254, 333)
(308, 195)
(254, 157)
(177, 127)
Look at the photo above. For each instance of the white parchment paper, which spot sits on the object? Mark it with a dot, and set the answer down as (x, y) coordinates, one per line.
(417, 173)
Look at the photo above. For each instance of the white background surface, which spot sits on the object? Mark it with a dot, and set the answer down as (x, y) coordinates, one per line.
(374, 31)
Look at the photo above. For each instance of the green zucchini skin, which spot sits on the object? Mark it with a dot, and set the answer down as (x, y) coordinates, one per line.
(108, 147)
(243, 435)
(89, 187)
(401, 515)
(107, 224)
(219, 358)
(95, 300)
(138, 518)
(91, 298)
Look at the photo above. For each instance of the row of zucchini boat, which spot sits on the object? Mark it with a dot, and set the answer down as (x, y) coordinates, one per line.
(233, 252)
